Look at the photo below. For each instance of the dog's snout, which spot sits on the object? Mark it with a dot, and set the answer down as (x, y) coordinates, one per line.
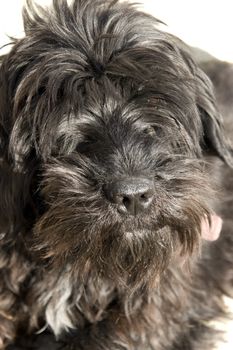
(131, 195)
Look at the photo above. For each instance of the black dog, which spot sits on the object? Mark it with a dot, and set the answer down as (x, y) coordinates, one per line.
(112, 152)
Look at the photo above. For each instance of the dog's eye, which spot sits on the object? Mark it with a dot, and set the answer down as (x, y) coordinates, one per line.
(150, 130)
(82, 147)
(85, 146)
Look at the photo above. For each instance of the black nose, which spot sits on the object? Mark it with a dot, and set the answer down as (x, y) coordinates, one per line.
(131, 195)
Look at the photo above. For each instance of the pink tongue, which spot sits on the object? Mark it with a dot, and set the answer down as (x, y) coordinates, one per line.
(211, 231)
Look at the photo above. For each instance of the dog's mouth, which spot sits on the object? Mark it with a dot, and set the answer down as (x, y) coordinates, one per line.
(210, 228)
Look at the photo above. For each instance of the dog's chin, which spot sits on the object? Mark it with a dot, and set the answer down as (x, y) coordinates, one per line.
(130, 253)
(136, 260)
(131, 259)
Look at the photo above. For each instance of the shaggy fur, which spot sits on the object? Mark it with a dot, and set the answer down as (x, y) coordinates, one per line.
(93, 95)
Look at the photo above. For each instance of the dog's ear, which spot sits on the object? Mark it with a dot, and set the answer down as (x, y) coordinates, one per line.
(214, 136)
(214, 140)
(15, 184)
(9, 190)
(3, 107)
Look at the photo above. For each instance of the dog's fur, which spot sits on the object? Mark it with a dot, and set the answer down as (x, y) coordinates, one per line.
(94, 93)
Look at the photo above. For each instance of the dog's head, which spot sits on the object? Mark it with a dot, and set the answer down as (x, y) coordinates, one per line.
(104, 124)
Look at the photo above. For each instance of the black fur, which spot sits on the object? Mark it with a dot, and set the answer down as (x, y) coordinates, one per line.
(93, 94)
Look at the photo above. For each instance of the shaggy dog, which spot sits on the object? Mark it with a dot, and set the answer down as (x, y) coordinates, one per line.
(112, 159)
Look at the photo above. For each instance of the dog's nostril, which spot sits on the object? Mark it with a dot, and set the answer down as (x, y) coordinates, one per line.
(131, 195)
(144, 197)
(126, 201)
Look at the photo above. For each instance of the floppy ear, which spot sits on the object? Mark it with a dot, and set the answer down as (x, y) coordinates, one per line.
(3, 107)
(16, 205)
(214, 137)
(9, 184)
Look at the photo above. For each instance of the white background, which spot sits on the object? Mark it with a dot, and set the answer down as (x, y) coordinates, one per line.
(202, 23)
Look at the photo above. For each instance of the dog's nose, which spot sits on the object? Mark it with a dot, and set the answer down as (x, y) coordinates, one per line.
(132, 195)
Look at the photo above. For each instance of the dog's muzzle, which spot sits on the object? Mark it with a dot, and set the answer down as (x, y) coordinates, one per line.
(132, 195)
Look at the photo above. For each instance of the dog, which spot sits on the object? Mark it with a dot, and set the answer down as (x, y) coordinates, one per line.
(116, 173)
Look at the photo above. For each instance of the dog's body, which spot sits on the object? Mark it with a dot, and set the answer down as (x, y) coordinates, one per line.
(107, 202)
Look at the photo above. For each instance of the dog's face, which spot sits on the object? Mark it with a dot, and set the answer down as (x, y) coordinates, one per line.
(106, 121)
